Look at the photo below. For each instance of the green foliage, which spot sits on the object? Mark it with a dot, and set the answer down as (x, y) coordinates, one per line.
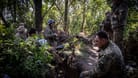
(94, 14)
(132, 23)
(24, 58)
(54, 9)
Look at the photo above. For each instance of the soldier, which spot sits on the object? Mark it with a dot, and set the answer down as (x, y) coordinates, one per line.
(53, 36)
(110, 60)
(21, 32)
(50, 33)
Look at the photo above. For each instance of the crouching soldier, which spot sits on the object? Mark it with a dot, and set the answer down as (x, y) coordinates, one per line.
(110, 62)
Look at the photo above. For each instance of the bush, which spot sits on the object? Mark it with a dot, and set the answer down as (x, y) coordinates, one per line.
(23, 59)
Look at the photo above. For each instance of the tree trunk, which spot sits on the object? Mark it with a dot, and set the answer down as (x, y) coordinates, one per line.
(83, 18)
(66, 16)
(3, 19)
(14, 7)
(38, 15)
(118, 20)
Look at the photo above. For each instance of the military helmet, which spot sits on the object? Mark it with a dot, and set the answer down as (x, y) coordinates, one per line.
(50, 21)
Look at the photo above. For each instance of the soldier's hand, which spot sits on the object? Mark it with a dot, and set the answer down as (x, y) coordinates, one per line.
(52, 49)
(84, 74)
(54, 34)
(81, 35)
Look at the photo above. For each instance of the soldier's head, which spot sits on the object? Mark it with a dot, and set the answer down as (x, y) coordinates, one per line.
(51, 22)
(101, 39)
(21, 29)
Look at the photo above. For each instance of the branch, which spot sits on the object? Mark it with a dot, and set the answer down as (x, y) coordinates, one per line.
(71, 2)
(47, 10)
(59, 9)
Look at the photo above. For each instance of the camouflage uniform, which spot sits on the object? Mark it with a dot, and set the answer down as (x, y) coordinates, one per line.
(21, 33)
(109, 65)
(49, 35)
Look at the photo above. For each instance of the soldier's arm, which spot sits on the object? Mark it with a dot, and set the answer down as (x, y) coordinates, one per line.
(83, 39)
(47, 34)
(101, 67)
(51, 35)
